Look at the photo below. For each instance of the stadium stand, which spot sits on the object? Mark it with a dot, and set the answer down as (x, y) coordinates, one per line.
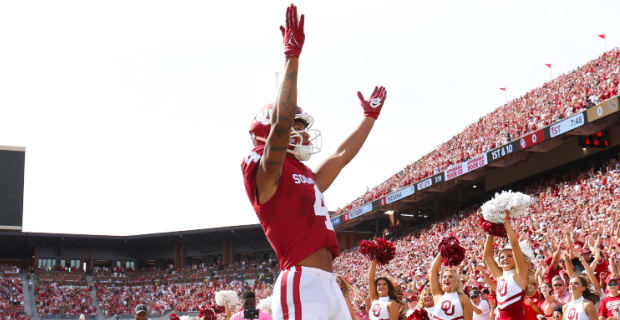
(567, 94)
(585, 201)
(11, 293)
(579, 201)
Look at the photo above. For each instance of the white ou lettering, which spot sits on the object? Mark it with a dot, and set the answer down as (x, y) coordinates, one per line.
(255, 157)
(264, 116)
(320, 209)
(375, 102)
(299, 178)
(534, 138)
(599, 110)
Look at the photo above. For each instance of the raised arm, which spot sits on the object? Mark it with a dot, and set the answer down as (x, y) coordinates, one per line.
(270, 166)
(348, 149)
(488, 258)
(520, 263)
(227, 313)
(433, 276)
(556, 256)
(591, 275)
(486, 278)
(569, 265)
(372, 289)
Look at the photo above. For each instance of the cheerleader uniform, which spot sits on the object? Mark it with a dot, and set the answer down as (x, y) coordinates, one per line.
(509, 297)
(379, 309)
(448, 307)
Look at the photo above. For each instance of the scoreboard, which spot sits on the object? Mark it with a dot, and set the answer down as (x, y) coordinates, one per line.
(12, 160)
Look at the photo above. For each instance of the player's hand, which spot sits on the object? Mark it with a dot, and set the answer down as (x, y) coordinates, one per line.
(372, 107)
(293, 35)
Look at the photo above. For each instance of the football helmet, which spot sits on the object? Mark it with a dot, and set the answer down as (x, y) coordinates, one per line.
(261, 126)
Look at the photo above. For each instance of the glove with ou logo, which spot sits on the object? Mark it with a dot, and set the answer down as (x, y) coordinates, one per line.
(372, 107)
(293, 35)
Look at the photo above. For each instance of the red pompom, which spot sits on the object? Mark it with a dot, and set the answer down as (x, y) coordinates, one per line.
(419, 315)
(494, 229)
(380, 249)
(451, 251)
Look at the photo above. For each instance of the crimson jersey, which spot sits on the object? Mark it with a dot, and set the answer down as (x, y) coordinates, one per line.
(295, 220)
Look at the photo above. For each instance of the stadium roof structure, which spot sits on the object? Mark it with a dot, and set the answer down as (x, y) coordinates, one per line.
(248, 238)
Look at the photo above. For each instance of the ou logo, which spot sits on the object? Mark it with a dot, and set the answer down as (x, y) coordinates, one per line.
(264, 116)
(376, 309)
(447, 307)
(522, 143)
(572, 314)
(502, 287)
(375, 102)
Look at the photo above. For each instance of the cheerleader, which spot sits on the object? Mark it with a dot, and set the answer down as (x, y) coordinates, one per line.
(425, 302)
(451, 303)
(582, 305)
(512, 275)
(385, 304)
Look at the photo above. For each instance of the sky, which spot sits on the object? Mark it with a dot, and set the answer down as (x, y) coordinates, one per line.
(135, 114)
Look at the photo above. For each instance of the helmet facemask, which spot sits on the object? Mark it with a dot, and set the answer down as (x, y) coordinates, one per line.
(302, 151)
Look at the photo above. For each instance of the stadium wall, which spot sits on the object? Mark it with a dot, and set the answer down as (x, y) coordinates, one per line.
(538, 162)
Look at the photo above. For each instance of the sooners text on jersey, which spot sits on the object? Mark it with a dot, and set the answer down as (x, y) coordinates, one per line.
(295, 220)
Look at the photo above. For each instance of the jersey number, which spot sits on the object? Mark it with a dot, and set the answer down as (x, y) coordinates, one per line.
(320, 209)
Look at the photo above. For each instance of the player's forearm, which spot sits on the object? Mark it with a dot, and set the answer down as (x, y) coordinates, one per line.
(282, 118)
(349, 148)
(286, 102)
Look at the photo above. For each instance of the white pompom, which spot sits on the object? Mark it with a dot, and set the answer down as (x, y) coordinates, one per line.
(226, 296)
(265, 305)
(515, 202)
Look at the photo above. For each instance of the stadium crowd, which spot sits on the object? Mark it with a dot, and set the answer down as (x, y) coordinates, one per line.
(11, 293)
(575, 216)
(63, 292)
(182, 290)
(565, 95)
(574, 219)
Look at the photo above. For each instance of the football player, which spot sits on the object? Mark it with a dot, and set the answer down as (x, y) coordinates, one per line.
(288, 197)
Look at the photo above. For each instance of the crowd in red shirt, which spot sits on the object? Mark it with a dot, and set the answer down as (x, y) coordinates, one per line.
(181, 290)
(565, 95)
(574, 215)
(60, 292)
(11, 294)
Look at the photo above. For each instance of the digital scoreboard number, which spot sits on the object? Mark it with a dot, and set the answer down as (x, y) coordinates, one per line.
(11, 187)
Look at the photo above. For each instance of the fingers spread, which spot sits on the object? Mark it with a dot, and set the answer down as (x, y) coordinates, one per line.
(301, 23)
(282, 30)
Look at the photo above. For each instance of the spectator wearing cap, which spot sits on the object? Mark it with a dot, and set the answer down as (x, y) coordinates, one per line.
(140, 312)
(560, 293)
(482, 308)
(610, 305)
(249, 303)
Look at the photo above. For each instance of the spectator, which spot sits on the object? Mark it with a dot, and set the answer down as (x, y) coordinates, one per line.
(140, 312)
(249, 304)
(482, 308)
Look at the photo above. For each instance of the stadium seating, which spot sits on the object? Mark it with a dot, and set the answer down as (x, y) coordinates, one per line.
(557, 99)
(588, 201)
(11, 293)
